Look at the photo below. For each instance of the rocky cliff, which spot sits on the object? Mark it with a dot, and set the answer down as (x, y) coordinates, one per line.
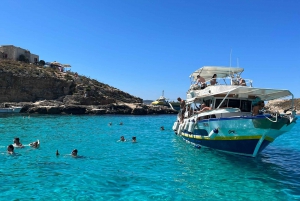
(22, 82)
(48, 91)
(281, 105)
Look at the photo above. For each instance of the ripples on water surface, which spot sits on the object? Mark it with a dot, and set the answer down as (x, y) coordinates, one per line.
(161, 166)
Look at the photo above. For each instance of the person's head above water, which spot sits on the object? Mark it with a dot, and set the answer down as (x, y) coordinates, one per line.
(17, 141)
(10, 148)
(74, 152)
(122, 138)
(133, 139)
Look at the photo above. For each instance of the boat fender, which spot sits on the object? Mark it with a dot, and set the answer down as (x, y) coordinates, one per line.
(213, 133)
(179, 129)
(182, 128)
(186, 126)
(191, 126)
(175, 126)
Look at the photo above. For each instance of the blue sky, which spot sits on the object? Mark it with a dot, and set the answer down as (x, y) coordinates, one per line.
(144, 47)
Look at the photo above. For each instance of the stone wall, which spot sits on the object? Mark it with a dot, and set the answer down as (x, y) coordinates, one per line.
(14, 53)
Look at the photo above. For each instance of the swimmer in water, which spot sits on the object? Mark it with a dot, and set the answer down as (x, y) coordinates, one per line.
(133, 139)
(74, 152)
(162, 128)
(35, 144)
(122, 139)
(57, 154)
(10, 149)
(17, 142)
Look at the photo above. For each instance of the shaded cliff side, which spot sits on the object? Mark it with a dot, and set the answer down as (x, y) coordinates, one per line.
(23, 82)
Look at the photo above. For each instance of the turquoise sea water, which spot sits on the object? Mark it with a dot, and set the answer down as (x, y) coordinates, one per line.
(160, 166)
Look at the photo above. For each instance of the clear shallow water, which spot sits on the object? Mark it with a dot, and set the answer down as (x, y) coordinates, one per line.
(160, 166)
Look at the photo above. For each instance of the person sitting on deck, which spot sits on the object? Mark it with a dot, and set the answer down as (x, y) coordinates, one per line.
(242, 82)
(201, 82)
(256, 110)
(213, 80)
(203, 108)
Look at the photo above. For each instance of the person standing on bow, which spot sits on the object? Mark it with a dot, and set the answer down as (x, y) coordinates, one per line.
(182, 108)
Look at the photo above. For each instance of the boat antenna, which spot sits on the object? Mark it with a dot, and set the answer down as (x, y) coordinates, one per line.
(230, 57)
(163, 93)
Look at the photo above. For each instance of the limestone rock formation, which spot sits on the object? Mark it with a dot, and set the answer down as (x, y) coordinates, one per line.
(280, 105)
(48, 91)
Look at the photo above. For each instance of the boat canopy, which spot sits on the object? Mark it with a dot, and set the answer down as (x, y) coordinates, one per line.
(246, 92)
(263, 93)
(208, 71)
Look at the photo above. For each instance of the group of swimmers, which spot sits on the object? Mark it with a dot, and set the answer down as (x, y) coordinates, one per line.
(122, 139)
(36, 144)
(17, 143)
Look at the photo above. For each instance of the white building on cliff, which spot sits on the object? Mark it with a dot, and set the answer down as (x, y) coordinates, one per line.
(14, 53)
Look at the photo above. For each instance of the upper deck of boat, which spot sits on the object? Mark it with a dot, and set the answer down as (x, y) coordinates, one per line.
(229, 84)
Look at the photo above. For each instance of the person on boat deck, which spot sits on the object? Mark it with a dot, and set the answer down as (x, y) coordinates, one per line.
(201, 81)
(182, 109)
(203, 108)
(213, 80)
(234, 81)
(74, 152)
(17, 142)
(191, 111)
(242, 82)
(256, 110)
(10, 149)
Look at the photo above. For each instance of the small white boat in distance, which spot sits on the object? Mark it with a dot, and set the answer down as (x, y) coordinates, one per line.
(227, 113)
(11, 109)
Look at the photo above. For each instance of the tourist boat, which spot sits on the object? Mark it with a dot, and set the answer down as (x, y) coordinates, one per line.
(11, 109)
(228, 124)
(162, 101)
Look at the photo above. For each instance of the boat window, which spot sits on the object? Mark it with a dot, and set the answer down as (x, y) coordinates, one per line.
(234, 103)
(224, 104)
(246, 106)
(208, 103)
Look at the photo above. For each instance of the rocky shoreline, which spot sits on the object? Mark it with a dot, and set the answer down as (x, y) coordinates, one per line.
(57, 107)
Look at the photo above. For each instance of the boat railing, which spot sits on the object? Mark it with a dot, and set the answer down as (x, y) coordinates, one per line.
(226, 81)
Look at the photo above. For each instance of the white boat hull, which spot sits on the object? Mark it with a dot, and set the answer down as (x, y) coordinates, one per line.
(240, 135)
(10, 110)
